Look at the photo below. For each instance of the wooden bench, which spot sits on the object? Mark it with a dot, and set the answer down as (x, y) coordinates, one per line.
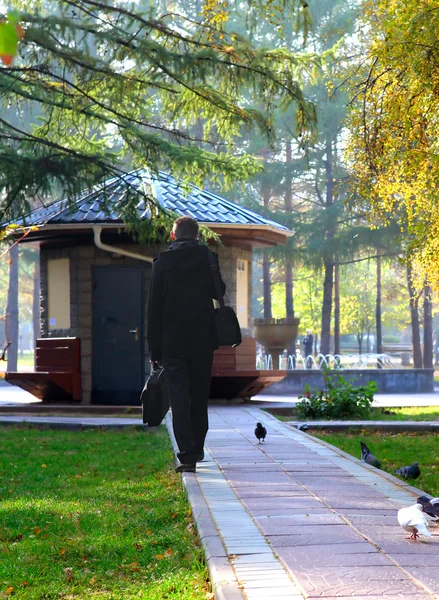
(57, 375)
(234, 373)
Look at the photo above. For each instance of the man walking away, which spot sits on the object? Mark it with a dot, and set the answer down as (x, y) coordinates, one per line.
(308, 342)
(181, 335)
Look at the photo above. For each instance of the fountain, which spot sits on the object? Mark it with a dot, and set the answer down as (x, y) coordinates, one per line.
(305, 371)
(275, 335)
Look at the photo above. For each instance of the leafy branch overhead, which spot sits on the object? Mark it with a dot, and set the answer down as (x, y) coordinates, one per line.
(98, 88)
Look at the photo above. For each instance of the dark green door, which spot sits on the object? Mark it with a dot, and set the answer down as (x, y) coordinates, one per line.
(118, 357)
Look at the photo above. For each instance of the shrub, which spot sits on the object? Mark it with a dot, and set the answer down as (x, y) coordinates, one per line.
(340, 400)
(391, 339)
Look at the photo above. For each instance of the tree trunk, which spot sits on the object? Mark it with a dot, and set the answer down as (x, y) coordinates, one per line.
(328, 285)
(36, 303)
(289, 300)
(378, 323)
(12, 310)
(266, 278)
(336, 309)
(328, 262)
(414, 317)
(360, 343)
(428, 329)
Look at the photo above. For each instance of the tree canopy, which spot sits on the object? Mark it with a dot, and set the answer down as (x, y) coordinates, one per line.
(393, 146)
(99, 87)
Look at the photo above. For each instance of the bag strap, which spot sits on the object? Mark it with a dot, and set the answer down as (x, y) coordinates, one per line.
(216, 280)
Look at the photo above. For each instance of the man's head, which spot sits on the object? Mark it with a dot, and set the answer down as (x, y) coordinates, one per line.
(308, 332)
(186, 228)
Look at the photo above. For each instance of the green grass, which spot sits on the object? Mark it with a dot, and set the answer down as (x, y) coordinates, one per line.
(406, 413)
(409, 413)
(24, 361)
(95, 514)
(394, 451)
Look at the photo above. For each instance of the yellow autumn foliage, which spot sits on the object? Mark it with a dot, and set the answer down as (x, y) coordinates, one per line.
(393, 148)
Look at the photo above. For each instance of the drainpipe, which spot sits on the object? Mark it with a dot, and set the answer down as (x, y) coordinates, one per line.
(97, 230)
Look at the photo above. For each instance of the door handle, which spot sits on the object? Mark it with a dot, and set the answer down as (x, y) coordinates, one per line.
(136, 333)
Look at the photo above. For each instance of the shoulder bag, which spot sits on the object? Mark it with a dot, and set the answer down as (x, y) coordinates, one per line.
(226, 321)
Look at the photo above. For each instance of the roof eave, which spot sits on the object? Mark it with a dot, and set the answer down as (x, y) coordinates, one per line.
(258, 234)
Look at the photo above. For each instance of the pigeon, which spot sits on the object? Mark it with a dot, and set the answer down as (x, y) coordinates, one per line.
(430, 506)
(303, 427)
(413, 520)
(368, 457)
(411, 472)
(260, 432)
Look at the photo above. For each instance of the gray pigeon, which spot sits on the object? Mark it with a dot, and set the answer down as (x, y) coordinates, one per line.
(303, 427)
(260, 432)
(368, 457)
(430, 506)
(411, 472)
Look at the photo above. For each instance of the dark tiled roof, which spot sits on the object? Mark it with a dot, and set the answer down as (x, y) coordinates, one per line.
(90, 207)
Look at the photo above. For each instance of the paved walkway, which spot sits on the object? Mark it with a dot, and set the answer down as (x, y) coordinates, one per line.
(295, 518)
(299, 519)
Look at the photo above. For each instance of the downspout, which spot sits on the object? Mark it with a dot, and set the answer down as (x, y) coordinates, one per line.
(97, 230)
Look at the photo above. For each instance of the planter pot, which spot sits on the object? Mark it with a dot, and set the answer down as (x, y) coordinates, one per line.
(275, 335)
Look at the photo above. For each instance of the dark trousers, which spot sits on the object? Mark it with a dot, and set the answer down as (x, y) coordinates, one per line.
(189, 378)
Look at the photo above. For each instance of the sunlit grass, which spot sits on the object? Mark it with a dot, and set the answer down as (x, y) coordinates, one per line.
(94, 514)
(394, 451)
(407, 413)
(24, 361)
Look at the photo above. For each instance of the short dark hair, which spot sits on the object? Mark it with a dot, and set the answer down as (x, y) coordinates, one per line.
(185, 227)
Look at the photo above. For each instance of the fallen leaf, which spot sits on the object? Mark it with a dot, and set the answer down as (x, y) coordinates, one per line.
(92, 580)
(37, 530)
(169, 552)
(43, 466)
(159, 556)
(138, 546)
(134, 566)
(62, 551)
(25, 583)
(149, 532)
(140, 466)
(10, 590)
(68, 572)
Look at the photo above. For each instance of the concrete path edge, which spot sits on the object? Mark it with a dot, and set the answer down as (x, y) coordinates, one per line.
(225, 585)
(392, 478)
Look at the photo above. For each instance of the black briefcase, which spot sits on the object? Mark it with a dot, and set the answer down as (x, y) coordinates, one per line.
(155, 397)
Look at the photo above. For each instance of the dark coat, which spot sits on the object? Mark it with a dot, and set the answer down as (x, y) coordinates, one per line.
(180, 308)
(308, 342)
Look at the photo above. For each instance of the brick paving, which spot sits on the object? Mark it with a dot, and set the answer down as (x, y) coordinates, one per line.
(301, 520)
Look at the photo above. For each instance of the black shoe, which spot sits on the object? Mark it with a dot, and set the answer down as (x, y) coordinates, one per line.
(199, 456)
(190, 468)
